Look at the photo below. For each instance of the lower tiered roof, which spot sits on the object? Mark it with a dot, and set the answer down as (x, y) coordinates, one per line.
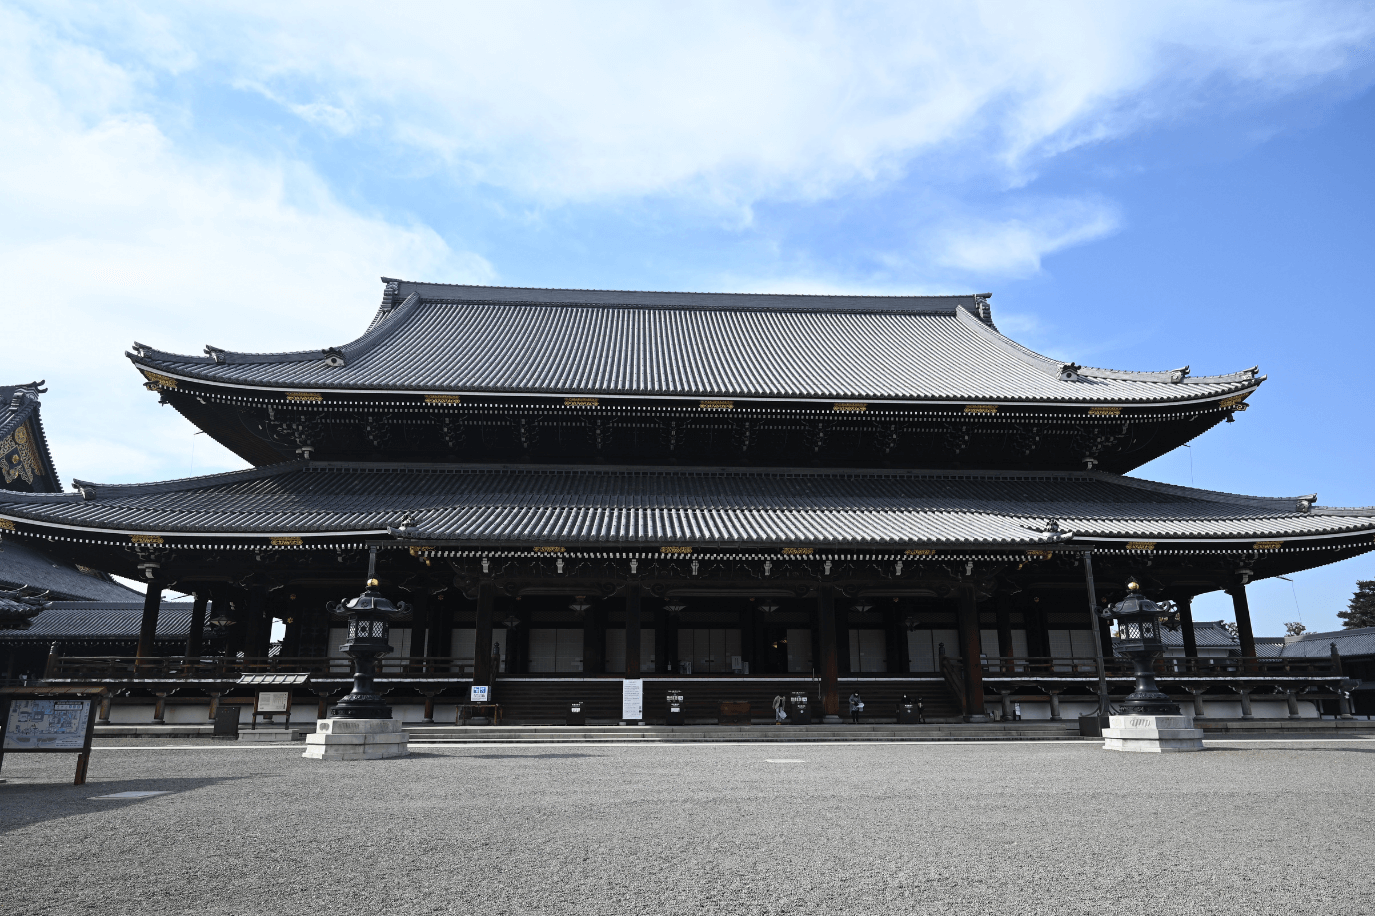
(612, 506)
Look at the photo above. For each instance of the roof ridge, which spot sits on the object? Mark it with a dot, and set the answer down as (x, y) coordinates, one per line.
(89, 490)
(671, 292)
(1210, 495)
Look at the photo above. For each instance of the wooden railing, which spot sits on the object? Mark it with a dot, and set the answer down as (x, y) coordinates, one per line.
(178, 667)
(1032, 667)
(952, 669)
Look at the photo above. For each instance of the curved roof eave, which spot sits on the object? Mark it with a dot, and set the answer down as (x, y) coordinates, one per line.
(970, 312)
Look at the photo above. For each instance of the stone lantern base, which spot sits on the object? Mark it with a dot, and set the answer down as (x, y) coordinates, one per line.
(1152, 734)
(357, 739)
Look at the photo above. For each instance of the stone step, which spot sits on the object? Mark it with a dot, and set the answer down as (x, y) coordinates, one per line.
(561, 734)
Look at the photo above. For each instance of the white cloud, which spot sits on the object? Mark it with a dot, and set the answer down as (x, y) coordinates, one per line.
(1014, 245)
(732, 103)
(125, 221)
(115, 234)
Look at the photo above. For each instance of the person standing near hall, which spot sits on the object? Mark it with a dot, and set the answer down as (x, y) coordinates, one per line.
(780, 713)
(856, 707)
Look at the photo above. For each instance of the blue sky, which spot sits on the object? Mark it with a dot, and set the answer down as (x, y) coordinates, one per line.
(1141, 185)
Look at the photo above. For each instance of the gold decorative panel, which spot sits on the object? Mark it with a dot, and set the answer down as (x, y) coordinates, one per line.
(19, 457)
(163, 380)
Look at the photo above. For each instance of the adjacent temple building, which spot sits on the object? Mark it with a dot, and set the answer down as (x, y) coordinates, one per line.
(727, 496)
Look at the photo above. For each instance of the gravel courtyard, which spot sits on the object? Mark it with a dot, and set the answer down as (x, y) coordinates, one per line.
(783, 829)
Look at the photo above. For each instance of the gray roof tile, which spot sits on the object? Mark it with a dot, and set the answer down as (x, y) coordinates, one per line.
(101, 620)
(609, 343)
(1358, 641)
(22, 564)
(630, 505)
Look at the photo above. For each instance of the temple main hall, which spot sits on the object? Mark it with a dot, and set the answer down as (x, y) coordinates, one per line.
(728, 497)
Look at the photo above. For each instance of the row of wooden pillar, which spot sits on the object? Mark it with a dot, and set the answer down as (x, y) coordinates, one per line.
(257, 633)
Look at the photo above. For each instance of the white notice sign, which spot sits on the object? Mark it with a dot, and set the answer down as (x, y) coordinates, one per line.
(272, 702)
(478, 694)
(632, 700)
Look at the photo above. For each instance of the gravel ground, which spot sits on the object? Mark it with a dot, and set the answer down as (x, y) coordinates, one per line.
(1254, 828)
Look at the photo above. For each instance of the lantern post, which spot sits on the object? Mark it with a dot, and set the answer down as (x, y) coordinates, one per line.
(1149, 720)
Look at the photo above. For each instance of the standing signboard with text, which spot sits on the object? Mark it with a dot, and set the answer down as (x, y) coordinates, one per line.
(632, 700)
(62, 722)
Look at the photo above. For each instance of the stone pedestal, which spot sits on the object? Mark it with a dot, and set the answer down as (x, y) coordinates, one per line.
(357, 739)
(268, 735)
(1152, 734)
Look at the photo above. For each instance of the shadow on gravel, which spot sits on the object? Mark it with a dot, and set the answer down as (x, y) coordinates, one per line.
(23, 804)
(524, 756)
(1317, 750)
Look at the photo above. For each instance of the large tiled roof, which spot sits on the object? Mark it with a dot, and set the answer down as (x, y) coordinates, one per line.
(610, 505)
(100, 620)
(21, 564)
(478, 339)
(1358, 641)
(1207, 634)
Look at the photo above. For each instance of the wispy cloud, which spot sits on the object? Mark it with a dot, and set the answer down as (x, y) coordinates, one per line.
(1014, 245)
(743, 102)
(116, 234)
(138, 207)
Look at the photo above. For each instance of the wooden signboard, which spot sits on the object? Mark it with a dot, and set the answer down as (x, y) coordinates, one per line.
(63, 723)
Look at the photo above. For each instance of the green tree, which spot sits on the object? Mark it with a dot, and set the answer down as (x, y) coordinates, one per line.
(1294, 628)
(1360, 611)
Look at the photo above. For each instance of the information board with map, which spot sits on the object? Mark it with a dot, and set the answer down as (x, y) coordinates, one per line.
(47, 725)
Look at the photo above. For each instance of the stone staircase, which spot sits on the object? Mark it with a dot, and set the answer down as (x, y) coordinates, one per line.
(734, 734)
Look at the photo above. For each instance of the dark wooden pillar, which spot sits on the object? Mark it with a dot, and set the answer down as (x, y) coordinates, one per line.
(632, 631)
(482, 637)
(195, 632)
(665, 639)
(830, 672)
(594, 639)
(970, 650)
(257, 623)
(749, 624)
(439, 635)
(1186, 624)
(420, 624)
(842, 631)
(148, 627)
(1002, 604)
(1242, 609)
(895, 643)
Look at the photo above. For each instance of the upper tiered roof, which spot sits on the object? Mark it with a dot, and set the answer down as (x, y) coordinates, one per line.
(456, 339)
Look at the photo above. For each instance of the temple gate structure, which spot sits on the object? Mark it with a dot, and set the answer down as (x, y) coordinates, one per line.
(726, 496)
